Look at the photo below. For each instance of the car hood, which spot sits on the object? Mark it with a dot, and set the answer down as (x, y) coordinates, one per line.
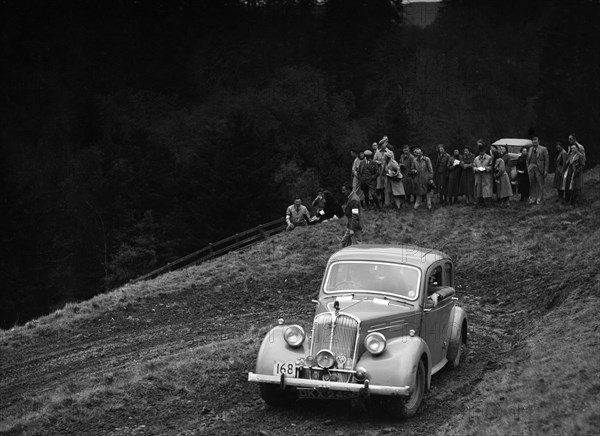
(373, 311)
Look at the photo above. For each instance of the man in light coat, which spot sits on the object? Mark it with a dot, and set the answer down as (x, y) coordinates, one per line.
(484, 178)
(538, 163)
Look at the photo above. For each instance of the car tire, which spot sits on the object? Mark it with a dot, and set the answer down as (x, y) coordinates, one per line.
(407, 407)
(460, 353)
(460, 356)
(274, 396)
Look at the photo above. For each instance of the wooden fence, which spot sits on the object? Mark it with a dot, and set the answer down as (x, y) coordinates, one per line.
(224, 246)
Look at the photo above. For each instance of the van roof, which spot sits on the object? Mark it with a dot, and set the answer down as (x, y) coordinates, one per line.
(513, 141)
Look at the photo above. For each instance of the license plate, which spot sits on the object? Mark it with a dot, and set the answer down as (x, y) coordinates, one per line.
(324, 394)
(286, 368)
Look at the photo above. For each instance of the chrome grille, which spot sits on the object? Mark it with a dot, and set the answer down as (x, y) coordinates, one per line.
(337, 334)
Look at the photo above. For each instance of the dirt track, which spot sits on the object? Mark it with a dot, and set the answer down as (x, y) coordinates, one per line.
(172, 324)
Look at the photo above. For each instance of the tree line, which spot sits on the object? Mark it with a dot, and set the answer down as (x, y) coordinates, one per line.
(134, 133)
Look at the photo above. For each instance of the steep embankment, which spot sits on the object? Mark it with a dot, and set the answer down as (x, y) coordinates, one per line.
(170, 356)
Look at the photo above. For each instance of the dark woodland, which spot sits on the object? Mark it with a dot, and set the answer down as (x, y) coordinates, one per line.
(136, 132)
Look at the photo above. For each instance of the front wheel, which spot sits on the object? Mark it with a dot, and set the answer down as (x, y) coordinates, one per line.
(274, 396)
(407, 407)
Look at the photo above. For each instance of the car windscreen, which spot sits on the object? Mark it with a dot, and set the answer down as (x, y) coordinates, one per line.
(373, 277)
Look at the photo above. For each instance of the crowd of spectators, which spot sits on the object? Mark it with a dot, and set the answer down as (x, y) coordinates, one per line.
(481, 176)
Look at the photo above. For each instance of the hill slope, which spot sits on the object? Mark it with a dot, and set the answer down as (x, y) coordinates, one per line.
(170, 356)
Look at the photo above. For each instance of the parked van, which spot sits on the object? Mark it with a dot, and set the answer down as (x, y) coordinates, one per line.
(513, 146)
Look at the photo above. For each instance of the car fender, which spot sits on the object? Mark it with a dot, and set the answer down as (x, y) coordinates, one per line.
(457, 331)
(274, 348)
(397, 365)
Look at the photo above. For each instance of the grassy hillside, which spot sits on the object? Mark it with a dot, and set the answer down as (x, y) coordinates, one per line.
(170, 356)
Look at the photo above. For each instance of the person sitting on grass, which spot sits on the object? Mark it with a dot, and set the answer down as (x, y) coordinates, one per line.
(332, 209)
(296, 215)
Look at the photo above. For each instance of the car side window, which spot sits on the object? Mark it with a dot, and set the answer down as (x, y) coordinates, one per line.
(435, 280)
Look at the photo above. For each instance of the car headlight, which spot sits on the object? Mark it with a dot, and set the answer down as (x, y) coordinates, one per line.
(294, 335)
(325, 359)
(375, 343)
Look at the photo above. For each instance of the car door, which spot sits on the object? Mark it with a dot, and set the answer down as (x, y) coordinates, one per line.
(435, 320)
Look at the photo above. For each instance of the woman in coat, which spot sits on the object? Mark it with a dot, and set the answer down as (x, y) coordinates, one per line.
(467, 177)
(573, 175)
(503, 188)
(454, 171)
(561, 164)
(394, 189)
(523, 175)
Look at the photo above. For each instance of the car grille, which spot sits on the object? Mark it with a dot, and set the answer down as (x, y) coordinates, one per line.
(337, 334)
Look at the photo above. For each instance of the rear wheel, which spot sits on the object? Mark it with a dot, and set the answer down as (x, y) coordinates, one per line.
(459, 356)
(406, 407)
(274, 396)
(460, 353)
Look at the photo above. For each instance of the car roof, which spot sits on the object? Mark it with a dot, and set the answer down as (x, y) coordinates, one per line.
(513, 141)
(406, 254)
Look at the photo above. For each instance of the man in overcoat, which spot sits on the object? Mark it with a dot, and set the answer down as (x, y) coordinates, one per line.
(423, 171)
(440, 173)
(538, 163)
(368, 172)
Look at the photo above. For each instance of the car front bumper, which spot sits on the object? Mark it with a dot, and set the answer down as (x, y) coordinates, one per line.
(364, 388)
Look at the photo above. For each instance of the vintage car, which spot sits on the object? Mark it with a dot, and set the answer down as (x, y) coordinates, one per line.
(513, 146)
(386, 320)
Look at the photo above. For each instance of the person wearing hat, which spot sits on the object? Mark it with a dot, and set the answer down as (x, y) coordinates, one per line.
(394, 189)
(368, 173)
(423, 172)
(573, 174)
(386, 142)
